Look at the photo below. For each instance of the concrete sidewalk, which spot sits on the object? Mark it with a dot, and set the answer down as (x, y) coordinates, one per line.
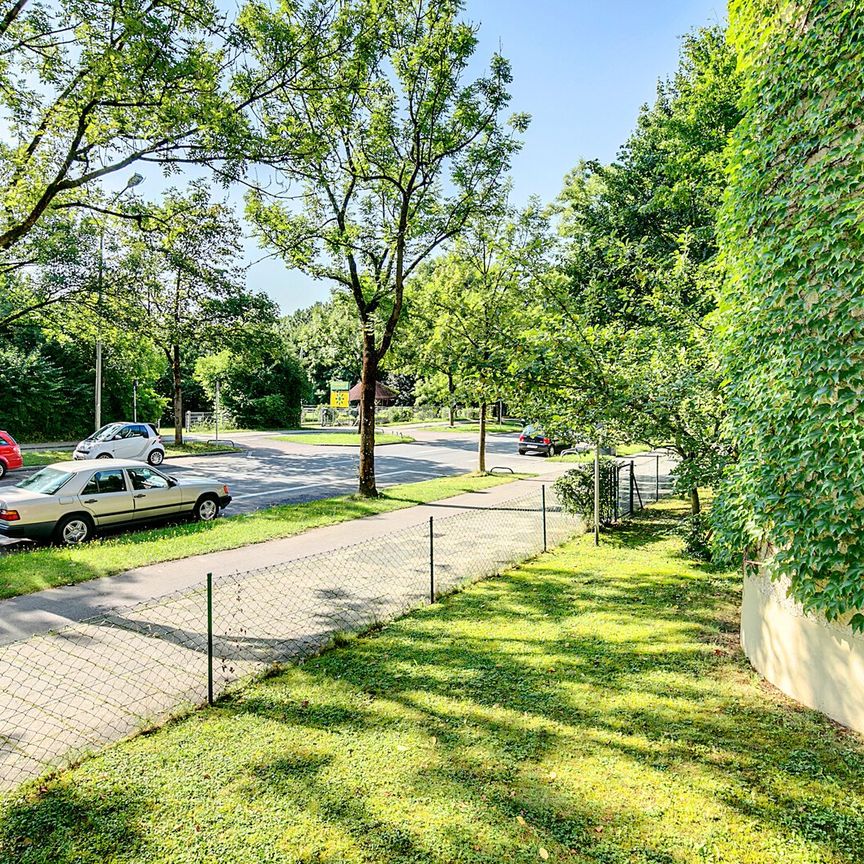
(31, 614)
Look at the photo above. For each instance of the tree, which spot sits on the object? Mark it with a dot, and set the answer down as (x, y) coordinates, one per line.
(793, 311)
(261, 389)
(392, 162)
(87, 89)
(326, 340)
(632, 303)
(466, 313)
(188, 298)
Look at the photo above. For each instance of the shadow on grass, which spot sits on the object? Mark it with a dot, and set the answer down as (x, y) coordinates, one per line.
(590, 703)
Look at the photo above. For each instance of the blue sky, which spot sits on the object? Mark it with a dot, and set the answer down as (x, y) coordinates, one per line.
(581, 68)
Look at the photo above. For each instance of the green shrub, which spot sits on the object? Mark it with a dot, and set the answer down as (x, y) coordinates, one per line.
(696, 531)
(575, 490)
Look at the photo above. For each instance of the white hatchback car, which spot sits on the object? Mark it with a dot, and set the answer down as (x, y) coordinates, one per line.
(138, 441)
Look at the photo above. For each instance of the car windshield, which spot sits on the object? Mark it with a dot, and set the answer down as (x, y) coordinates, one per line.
(47, 481)
(106, 433)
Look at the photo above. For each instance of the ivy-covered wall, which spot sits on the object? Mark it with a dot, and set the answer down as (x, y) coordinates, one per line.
(793, 312)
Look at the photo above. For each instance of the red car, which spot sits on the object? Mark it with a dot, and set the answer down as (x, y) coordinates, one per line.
(10, 454)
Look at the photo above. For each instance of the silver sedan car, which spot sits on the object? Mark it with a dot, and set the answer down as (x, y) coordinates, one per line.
(70, 501)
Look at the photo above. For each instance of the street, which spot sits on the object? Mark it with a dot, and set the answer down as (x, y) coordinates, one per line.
(276, 472)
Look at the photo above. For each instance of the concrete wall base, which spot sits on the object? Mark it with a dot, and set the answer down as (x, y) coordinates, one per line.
(816, 662)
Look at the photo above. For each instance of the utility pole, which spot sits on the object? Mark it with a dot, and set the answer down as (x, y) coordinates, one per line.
(134, 400)
(217, 409)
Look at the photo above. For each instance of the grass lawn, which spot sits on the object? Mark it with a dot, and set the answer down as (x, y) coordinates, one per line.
(588, 456)
(475, 427)
(35, 458)
(342, 439)
(32, 570)
(590, 706)
(198, 448)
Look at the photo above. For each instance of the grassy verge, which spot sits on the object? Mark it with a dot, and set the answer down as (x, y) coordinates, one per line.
(341, 439)
(591, 706)
(588, 456)
(36, 458)
(475, 428)
(198, 448)
(32, 570)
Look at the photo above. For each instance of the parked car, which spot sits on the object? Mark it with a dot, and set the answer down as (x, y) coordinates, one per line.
(70, 501)
(139, 441)
(10, 454)
(533, 439)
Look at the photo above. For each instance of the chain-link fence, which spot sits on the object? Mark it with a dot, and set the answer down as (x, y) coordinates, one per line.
(640, 480)
(66, 693)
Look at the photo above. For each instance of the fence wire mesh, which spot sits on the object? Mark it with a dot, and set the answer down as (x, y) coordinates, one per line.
(67, 693)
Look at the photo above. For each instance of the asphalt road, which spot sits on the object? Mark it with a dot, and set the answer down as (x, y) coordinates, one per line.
(269, 471)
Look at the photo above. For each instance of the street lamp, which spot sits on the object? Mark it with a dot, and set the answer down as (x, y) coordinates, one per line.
(133, 181)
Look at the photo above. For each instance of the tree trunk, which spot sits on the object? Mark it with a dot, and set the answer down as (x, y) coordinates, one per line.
(695, 504)
(178, 394)
(481, 462)
(368, 378)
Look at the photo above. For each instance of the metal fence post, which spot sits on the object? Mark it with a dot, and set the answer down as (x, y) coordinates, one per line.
(616, 483)
(632, 465)
(657, 478)
(209, 638)
(431, 559)
(543, 501)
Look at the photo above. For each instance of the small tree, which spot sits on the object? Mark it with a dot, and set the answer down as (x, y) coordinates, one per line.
(191, 291)
(467, 312)
(394, 153)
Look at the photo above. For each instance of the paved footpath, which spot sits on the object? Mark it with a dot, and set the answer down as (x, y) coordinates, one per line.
(100, 678)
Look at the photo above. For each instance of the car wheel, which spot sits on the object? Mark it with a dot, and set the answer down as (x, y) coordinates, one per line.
(3, 470)
(522, 452)
(73, 530)
(156, 457)
(206, 509)
(104, 456)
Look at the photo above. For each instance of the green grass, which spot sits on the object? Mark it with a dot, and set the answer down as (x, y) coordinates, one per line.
(341, 439)
(46, 567)
(35, 458)
(198, 448)
(622, 450)
(590, 706)
(475, 427)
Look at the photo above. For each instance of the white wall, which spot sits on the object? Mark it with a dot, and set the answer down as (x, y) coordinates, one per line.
(817, 662)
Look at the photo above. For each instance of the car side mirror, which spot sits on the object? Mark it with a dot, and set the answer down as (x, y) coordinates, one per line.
(172, 481)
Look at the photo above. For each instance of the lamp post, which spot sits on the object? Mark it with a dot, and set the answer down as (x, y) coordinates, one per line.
(133, 181)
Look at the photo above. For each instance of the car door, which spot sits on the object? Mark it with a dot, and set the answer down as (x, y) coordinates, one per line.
(153, 494)
(107, 497)
(131, 442)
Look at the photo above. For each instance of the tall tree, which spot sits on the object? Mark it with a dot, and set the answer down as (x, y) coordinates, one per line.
(393, 150)
(468, 310)
(633, 305)
(326, 340)
(191, 291)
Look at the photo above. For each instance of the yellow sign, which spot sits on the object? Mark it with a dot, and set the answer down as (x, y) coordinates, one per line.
(338, 398)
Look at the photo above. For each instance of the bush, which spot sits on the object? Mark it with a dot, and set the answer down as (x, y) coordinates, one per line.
(575, 490)
(696, 531)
